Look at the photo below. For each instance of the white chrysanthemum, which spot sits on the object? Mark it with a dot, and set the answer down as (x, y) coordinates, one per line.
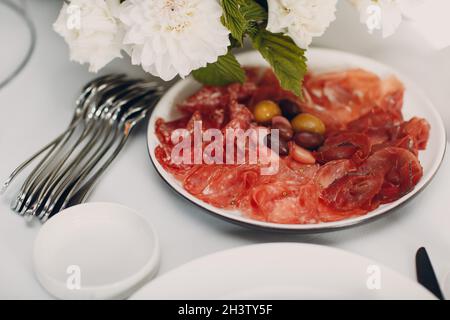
(91, 30)
(170, 37)
(384, 15)
(301, 19)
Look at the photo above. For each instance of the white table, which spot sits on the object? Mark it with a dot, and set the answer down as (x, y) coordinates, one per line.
(39, 104)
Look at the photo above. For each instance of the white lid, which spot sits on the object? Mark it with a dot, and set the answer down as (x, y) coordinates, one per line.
(96, 251)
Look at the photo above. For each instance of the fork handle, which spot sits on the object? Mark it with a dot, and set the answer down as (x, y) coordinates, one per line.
(24, 164)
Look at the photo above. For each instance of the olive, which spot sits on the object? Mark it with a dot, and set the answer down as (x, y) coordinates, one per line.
(283, 147)
(308, 140)
(284, 127)
(265, 110)
(289, 108)
(306, 122)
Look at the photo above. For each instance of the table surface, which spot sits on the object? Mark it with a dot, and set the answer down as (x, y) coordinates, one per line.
(38, 105)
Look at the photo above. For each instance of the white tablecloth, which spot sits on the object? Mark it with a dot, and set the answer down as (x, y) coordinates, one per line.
(39, 104)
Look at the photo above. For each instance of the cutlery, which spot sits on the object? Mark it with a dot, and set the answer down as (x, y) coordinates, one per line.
(80, 111)
(106, 112)
(425, 273)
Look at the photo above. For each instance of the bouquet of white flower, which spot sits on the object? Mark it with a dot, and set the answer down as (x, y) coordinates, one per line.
(179, 37)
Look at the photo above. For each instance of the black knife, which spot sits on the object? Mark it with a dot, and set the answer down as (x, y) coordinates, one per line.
(425, 273)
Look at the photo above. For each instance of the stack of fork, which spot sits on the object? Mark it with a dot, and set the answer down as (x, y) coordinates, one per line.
(107, 110)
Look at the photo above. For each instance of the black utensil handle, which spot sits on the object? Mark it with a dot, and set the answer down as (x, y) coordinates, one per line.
(425, 273)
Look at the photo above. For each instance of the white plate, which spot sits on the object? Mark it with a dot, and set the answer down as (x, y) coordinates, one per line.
(283, 271)
(320, 60)
(95, 251)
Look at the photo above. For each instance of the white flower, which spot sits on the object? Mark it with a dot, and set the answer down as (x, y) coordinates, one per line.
(170, 37)
(301, 19)
(384, 15)
(91, 30)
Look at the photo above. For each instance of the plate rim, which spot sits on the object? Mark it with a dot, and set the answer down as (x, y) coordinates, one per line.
(323, 226)
(301, 247)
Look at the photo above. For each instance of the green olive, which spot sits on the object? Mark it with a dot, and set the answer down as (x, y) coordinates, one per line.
(265, 110)
(306, 122)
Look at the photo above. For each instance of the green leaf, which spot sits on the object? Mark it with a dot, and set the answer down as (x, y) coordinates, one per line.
(286, 58)
(241, 17)
(252, 11)
(224, 71)
(234, 19)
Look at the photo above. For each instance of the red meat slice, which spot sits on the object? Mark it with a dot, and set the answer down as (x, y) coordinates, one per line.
(419, 130)
(240, 112)
(200, 178)
(400, 169)
(280, 202)
(206, 100)
(163, 155)
(328, 214)
(333, 171)
(352, 192)
(345, 145)
(392, 91)
(164, 129)
(376, 118)
(340, 97)
(221, 186)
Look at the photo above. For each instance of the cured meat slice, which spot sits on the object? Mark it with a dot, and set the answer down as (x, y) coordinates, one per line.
(376, 118)
(241, 92)
(227, 186)
(353, 191)
(240, 112)
(340, 97)
(282, 203)
(206, 100)
(400, 169)
(333, 171)
(163, 155)
(328, 214)
(200, 178)
(345, 145)
(164, 129)
(419, 130)
(392, 91)
(220, 185)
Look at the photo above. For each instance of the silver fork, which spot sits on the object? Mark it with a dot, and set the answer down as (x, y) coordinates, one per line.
(81, 194)
(38, 194)
(78, 114)
(40, 174)
(106, 113)
(78, 195)
(77, 170)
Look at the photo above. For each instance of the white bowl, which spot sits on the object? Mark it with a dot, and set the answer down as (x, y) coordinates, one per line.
(319, 60)
(95, 251)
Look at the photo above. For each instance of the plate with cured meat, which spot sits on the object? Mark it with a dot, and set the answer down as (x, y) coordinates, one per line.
(361, 140)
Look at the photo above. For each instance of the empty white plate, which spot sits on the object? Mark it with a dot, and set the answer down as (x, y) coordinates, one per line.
(95, 251)
(283, 271)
